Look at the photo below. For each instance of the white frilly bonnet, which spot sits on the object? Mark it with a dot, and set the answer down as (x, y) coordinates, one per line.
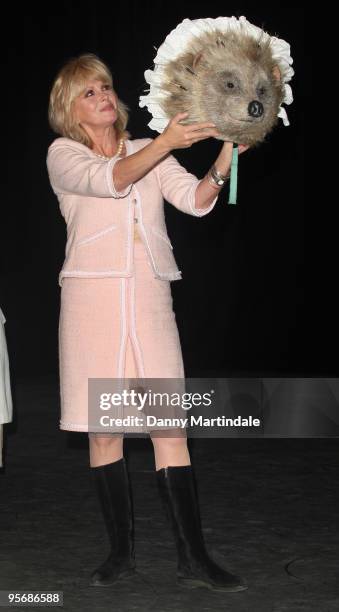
(179, 39)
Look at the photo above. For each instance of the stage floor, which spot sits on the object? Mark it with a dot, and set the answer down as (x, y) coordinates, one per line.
(269, 510)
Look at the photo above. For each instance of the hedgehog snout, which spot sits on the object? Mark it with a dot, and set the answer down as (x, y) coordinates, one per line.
(255, 109)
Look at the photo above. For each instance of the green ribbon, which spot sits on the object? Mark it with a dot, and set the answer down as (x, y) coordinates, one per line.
(232, 199)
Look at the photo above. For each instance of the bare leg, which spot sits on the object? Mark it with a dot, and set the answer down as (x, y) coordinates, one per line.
(170, 448)
(104, 449)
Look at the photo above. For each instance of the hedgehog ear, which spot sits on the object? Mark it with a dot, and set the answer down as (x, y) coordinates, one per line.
(276, 73)
(197, 59)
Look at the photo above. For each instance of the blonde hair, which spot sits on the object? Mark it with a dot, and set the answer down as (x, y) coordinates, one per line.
(68, 85)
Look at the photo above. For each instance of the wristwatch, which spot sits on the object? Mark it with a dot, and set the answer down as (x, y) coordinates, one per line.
(218, 178)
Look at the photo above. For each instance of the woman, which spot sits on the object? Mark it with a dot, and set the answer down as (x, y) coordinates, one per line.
(116, 316)
(6, 405)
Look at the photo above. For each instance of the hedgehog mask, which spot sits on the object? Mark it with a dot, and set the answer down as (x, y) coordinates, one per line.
(227, 71)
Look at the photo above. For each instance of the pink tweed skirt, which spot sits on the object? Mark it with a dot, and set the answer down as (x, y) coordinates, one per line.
(114, 328)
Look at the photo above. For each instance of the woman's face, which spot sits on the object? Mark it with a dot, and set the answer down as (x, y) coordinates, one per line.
(97, 105)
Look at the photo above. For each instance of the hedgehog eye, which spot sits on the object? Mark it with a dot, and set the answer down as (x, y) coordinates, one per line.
(261, 91)
(229, 85)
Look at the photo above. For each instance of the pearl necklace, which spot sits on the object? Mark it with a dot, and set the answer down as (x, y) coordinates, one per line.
(119, 149)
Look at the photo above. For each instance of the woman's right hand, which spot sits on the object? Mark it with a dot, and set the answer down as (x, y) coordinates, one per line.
(177, 136)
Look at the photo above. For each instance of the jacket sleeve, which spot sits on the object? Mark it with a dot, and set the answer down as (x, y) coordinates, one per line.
(178, 187)
(72, 171)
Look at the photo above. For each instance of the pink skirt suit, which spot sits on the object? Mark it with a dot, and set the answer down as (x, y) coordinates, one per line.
(116, 310)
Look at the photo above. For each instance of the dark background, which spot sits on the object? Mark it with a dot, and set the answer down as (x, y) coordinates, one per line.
(252, 299)
(241, 306)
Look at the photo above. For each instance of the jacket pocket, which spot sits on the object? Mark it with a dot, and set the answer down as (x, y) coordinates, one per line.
(102, 251)
(163, 236)
(95, 236)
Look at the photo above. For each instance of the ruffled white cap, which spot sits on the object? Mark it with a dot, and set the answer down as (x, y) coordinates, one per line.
(179, 39)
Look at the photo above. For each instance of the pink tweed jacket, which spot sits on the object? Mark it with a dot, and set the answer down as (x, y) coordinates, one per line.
(100, 220)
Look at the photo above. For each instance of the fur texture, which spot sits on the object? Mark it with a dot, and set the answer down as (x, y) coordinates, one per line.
(222, 78)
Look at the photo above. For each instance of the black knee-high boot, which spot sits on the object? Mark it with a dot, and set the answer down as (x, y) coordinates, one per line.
(195, 567)
(113, 489)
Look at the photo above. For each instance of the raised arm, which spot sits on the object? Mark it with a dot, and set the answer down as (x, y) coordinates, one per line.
(133, 167)
(206, 191)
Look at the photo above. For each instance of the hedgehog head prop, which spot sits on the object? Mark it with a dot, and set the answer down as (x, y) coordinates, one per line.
(224, 70)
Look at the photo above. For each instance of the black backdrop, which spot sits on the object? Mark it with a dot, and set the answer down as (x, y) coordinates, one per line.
(240, 306)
